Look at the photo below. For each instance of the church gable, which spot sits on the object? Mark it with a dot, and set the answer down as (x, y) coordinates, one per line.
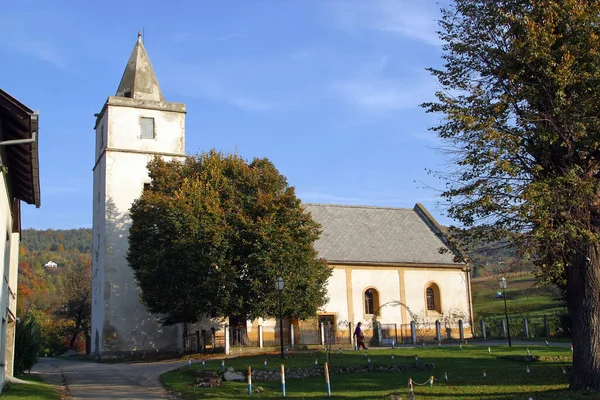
(361, 234)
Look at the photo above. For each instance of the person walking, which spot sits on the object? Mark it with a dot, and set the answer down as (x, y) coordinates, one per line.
(360, 337)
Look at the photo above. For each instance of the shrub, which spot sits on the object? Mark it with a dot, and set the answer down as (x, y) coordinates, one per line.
(28, 343)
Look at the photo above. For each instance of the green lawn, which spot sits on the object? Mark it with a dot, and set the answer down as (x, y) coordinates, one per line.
(523, 298)
(36, 390)
(506, 378)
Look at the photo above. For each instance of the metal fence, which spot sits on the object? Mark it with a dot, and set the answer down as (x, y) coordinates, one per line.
(523, 327)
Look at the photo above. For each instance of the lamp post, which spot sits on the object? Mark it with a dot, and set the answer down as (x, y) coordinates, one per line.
(502, 283)
(279, 284)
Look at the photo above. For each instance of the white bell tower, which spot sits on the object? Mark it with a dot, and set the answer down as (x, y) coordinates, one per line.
(134, 126)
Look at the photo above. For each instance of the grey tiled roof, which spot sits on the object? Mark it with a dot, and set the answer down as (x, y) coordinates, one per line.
(378, 235)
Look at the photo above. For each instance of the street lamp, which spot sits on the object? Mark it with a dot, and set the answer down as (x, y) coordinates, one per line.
(279, 284)
(502, 283)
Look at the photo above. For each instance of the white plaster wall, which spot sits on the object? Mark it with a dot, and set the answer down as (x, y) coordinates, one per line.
(337, 293)
(124, 130)
(122, 322)
(452, 285)
(387, 283)
(98, 245)
(5, 227)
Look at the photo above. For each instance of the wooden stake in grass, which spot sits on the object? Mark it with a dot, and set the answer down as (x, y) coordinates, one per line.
(282, 380)
(445, 377)
(411, 392)
(327, 380)
(431, 381)
(249, 380)
(265, 363)
(489, 350)
(528, 370)
(484, 374)
(203, 363)
(222, 365)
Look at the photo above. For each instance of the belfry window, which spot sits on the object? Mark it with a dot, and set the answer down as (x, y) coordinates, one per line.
(371, 298)
(147, 128)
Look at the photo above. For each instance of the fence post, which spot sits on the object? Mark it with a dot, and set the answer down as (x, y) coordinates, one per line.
(351, 331)
(227, 344)
(504, 328)
(260, 336)
(461, 329)
(213, 340)
(322, 328)
(413, 332)
(438, 331)
(546, 326)
(197, 341)
(526, 324)
(483, 333)
(292, 340)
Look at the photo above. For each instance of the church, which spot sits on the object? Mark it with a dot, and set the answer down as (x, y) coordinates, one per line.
(389, 265)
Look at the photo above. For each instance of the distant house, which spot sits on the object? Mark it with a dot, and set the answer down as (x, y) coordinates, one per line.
(50, 264)
(19, 170)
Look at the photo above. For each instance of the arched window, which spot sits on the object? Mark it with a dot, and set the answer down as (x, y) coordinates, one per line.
(432, 298)
(371, 301)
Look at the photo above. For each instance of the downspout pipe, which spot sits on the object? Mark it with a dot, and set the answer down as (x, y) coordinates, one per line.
(19, 141)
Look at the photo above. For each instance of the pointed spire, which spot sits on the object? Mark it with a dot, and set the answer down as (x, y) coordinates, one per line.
(139, 81)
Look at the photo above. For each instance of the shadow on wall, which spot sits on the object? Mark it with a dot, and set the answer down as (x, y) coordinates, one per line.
(128, 326)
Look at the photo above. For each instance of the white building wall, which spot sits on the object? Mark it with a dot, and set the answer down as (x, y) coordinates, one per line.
(337, 292)
(387, 284)
(9, 258)
(5, 226)
(387, 281)
(452, 285)
(120, 320)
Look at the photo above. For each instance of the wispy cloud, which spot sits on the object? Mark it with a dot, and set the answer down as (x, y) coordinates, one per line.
(15, 37)
(372, 89)
(42, 50)
(407, 18)
(193, 82)
(376, 94)
(187, 36)
(381, 199)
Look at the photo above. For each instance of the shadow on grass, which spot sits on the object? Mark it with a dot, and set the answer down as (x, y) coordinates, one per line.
(506, 376)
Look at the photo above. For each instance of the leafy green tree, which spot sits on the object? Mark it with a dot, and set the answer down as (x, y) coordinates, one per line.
(520, 89)
(212, 234)
(28, 344)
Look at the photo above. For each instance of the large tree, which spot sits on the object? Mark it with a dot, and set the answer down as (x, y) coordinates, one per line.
(520, 96)
(212, 233)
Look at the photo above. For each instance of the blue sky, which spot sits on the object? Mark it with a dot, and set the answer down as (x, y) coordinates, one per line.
(328, 90)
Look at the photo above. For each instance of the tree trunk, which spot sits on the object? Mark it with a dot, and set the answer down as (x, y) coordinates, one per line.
(583, 298)
(73, 339)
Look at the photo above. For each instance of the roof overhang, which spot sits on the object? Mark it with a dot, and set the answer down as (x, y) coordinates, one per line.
(19, 128)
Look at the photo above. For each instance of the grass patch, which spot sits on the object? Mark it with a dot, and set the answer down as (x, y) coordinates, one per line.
(506, 375)
(523, 297)
(36, 390)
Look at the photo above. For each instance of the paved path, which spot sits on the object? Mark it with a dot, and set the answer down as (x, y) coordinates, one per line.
(89, 380)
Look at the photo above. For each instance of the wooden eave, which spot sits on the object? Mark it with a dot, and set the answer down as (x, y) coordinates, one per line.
(18, 122)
